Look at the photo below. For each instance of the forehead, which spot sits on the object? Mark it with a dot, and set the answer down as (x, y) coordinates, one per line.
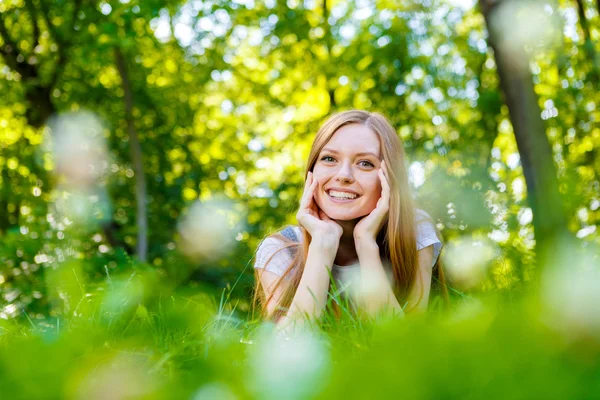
(354, 138)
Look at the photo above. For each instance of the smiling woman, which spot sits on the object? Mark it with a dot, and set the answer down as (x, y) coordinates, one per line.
(359, 231)
(348, 165)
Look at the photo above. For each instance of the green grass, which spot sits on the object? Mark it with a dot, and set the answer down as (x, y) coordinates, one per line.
(131, 339)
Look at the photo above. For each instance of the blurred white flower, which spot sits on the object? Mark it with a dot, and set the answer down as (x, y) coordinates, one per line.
(571, 294)
(467, 260)
(208, 229)
(78, 148)
(9, 311)
(361, 285)
(120, 377)
(287, 368)
(523, 25)
(214, 391)
(91, 205)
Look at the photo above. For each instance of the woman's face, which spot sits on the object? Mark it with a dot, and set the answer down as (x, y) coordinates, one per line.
(346, 170)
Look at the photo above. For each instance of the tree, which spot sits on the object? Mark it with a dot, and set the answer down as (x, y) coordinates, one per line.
(512, 61)
(40, 83)
(136, 156)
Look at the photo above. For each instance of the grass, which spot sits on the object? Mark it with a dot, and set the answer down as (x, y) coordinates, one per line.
(131, 339)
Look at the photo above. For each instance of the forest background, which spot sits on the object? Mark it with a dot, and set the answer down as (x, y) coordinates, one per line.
(147, 147)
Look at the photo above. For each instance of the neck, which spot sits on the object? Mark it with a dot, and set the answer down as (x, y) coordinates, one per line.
(346, 254)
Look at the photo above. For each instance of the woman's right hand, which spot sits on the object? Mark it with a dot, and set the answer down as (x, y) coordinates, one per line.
(314, 220)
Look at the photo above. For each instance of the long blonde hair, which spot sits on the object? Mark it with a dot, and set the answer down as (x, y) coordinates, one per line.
(397, 238)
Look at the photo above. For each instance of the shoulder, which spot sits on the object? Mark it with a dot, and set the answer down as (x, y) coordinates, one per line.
(424, 224)
(292, 232)
(426, 233)
(272, 254)
(421, 215)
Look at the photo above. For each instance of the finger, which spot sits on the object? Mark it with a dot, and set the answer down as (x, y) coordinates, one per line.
(313, 186)
(383, 177)
(308, 182)
(306, 196)
(384, 168)
(385, 188)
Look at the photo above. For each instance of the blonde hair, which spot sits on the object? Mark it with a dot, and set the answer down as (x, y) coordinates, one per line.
(397, 238)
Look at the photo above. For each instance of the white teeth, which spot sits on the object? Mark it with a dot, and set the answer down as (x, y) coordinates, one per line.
(342, 195)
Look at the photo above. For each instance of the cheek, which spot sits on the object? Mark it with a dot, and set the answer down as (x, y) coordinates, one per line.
(373, 193)
(373, 187)
(321, 178)
(318, 175)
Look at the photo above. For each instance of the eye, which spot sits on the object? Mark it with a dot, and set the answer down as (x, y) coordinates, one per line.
(368, 163)
(325, 158)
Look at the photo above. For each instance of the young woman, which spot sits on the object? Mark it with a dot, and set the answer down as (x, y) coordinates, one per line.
(358, 226)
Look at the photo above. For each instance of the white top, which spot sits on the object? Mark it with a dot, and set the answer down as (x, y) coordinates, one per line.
(343, 275)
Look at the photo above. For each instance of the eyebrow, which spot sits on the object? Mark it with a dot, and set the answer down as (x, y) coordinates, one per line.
(366, 153)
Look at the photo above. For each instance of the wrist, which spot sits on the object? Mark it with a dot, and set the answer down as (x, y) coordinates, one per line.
(323, 253)
(365, 246)
(363, 237)
(324, 245)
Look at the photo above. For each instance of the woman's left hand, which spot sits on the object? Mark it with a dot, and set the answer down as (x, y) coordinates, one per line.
(369, 226)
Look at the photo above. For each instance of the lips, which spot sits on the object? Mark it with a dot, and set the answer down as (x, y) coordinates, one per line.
(344, 190)
(341, 195)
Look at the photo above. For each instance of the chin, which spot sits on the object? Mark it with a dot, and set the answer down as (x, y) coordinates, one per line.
(342, 212)
(342, 215)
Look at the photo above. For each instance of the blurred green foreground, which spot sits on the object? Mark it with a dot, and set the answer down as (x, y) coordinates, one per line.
(132, 338)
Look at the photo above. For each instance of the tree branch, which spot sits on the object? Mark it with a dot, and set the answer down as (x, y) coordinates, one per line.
(6, 37)
(62, 43)
(36, 29)
(588, 44)
(49, 25)
(10, 53)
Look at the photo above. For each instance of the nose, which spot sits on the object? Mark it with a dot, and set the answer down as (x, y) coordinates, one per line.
(344, 174)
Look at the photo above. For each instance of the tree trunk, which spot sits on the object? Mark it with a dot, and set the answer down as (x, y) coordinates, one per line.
(549, 220)
(588, 44)
(136, 156)
(40, 106)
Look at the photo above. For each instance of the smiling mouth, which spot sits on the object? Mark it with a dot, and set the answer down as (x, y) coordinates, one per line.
(342, 196)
